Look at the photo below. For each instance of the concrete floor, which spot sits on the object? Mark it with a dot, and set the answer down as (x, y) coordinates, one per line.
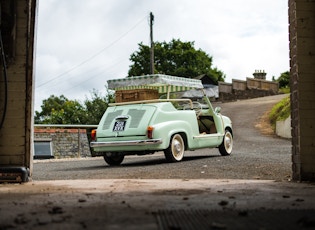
(157, 204)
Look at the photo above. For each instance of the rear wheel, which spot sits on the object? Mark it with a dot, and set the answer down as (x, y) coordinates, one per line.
(227, 144)
(113, 159)
(176, 149)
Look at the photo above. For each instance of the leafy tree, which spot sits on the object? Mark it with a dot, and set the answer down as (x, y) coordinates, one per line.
(96, 107)
(53, 103)
(60, 110)
(72, 113)
(284, 80)
(174, 58)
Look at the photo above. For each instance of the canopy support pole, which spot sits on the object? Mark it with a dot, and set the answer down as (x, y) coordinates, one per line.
(168, 91)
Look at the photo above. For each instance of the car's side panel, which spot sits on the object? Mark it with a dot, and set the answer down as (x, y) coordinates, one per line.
(167, 122)
(207, 140)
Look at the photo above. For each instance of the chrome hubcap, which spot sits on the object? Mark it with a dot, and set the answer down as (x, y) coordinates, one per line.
(227, 142)
(177, 147)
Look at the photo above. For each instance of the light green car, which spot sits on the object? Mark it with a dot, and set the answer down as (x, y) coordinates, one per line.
(168, 125)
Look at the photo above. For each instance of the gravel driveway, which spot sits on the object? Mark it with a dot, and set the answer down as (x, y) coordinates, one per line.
(88, 194)
(255, 155)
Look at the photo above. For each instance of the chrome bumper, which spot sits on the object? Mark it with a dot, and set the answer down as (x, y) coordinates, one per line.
(126, 143)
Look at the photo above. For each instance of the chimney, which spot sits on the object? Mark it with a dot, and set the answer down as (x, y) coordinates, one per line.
(260, 74)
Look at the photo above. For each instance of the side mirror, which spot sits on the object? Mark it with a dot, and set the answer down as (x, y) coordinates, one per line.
(217, 109)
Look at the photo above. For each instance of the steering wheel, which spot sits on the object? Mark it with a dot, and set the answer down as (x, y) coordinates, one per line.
(197, 107)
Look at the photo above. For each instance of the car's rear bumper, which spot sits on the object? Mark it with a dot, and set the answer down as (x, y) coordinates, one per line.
(94, 144)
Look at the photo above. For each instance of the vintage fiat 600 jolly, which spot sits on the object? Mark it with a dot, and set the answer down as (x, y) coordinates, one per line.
(142, 122)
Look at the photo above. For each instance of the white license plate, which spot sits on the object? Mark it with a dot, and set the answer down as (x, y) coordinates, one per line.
(119, 126)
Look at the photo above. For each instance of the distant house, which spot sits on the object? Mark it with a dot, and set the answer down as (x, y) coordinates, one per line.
(205, 79)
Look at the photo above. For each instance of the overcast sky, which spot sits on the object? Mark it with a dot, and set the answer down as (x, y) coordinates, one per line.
(83, 43)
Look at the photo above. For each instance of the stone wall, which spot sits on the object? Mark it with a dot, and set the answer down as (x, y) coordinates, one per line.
(66, 143)
(283, 128)
(262, 84)
(251, 88)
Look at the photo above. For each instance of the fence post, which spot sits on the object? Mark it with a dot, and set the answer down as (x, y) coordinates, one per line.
(79, 149)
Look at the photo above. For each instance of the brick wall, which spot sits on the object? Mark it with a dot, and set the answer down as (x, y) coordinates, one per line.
(66, 143)
(302, 74)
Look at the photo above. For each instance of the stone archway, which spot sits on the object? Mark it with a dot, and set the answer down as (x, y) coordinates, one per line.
(302, 73)
(16, 143)
(16, 89)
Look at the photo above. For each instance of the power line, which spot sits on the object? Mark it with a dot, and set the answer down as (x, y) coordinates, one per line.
(93, 76)
(93, 56)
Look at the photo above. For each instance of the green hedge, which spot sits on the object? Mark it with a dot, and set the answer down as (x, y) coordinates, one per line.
(280, 111)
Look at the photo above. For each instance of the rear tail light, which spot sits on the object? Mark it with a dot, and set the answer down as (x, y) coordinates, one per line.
(93, 135)
(150, 132)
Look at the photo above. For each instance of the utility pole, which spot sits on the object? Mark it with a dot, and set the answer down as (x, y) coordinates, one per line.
(152, 44)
